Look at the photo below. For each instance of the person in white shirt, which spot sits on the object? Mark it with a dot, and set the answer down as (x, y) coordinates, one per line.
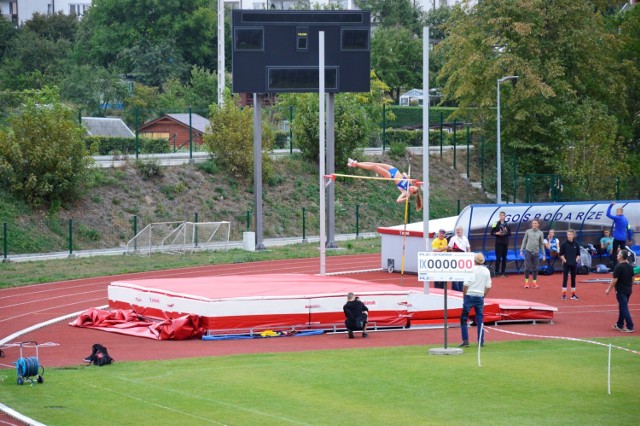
(474, 292)
(458, 243)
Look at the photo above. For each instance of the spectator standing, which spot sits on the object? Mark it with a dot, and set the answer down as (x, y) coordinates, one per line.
(623, 282)
(621, 231)
(606, 243)
(440, 244)
(532, 245)
(459, 243)
(474, 292)
(356, 315)
(501, 231)
(570, 256)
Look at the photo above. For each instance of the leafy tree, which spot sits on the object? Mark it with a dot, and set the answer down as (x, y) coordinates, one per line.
(230, 141)
(141, 105)
(32, 61)
(353, 126)
(151, 64)
(203, 91)
(42, 154)
(53, 27)
(396, 57)
(566, 63)
(7, 32)
(627, 26)
(197, 94)
(118, 30)
(437, 19)
(395, 13)
(35, 54)
(92, 88)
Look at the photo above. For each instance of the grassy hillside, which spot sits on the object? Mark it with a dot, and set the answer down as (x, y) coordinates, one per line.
(104, 217)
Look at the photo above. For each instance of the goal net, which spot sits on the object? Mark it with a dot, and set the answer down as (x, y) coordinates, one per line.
(180, 237)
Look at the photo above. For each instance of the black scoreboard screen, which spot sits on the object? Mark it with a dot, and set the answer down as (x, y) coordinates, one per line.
(277, 51)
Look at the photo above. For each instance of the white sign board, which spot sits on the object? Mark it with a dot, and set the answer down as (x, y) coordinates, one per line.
(445, 266)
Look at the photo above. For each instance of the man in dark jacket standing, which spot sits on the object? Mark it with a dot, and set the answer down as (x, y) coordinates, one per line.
(570, 255)
(356, 314)
(501, 231)
(623, 282)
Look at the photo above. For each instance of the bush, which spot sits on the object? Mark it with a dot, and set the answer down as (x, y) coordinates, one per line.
(149, 169)
(42, 155)
(100, 145)
(281, 140)
(231, 141)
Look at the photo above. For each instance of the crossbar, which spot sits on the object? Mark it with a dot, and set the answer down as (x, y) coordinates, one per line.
(332, 176)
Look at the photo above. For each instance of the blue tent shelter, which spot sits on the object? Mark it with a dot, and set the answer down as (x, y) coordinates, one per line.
(587, 218)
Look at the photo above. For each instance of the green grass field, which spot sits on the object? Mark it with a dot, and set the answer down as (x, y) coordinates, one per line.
(525, 382)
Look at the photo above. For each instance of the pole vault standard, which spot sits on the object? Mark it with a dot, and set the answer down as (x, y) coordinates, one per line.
(321, 131)
(426, 103)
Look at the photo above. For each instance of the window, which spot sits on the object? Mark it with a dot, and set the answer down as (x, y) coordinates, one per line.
(355, 39)
(302, 38)
(78, 9)
(301, 79)
(249, 39)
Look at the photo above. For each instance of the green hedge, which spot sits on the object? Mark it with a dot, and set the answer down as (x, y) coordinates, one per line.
(98, 145)
(414, 137)
(412, 116)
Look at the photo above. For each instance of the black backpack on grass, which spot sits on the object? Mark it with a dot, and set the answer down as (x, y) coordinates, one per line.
(99, 356)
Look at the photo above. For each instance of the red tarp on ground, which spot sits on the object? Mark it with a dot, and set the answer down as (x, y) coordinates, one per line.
(126, 321)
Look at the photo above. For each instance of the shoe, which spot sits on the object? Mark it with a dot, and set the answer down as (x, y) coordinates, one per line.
(88, 359)
(536, 286)
(574, 297)
(464, 344)
(351, 336)
(615, 327)
(627, 330)
(503, 276)
(351, 162)
(564, 297)
(365, 335)
(526, 286)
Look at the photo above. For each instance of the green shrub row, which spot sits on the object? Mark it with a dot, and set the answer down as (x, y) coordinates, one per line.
(414, 137)
(412, 116)
(100, 145)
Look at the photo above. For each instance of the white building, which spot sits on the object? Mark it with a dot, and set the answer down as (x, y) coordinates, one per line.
(19, 11)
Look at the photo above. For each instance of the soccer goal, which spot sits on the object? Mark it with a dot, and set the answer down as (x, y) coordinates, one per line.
(180, 237)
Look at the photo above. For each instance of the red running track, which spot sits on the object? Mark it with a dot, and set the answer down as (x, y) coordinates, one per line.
(23, 307)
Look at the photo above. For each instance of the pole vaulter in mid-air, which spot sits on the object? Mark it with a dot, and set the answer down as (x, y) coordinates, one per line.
(403, 181)
(405, 184)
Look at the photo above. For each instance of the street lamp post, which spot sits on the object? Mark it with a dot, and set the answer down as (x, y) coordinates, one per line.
(499, 168)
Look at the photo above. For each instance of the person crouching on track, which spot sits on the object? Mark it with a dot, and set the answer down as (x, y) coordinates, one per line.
(387, 171)
(474, 292)
(356, 314)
